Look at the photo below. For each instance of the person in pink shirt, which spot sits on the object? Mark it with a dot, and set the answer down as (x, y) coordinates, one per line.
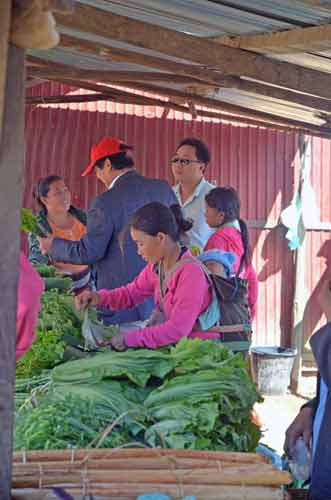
(185, 295)
(223, 212)
(30, 288)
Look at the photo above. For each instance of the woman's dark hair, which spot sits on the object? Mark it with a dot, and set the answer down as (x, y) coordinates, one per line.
(42, 188)
(201, 150)
(226, 200)
(155, 218)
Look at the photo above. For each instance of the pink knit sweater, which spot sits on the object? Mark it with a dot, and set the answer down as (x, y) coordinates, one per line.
(30, 288)
(229, 240)
(187, 296)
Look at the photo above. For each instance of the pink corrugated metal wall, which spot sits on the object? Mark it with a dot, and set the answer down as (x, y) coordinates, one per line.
(260, 163)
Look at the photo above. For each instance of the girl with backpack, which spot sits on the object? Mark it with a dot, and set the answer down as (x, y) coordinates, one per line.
(178, 284)
(223, 213)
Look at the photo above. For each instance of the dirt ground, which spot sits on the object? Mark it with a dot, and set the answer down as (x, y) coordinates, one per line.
(277, 412)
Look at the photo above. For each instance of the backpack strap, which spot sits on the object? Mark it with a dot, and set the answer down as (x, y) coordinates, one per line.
(165, 277)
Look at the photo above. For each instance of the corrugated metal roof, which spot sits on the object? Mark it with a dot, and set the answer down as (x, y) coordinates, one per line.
(290, 11)
(196, 17)
(206, 18)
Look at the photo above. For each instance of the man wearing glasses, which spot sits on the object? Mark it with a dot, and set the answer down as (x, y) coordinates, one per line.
(188, 167)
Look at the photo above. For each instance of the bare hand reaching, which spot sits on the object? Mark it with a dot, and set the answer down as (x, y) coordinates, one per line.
(87, 298)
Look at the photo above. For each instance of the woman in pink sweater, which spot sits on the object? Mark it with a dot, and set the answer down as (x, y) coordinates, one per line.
(223, 213)
(185, 294)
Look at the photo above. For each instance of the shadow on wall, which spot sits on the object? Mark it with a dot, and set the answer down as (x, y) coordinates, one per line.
(278, 263)
(313, 313)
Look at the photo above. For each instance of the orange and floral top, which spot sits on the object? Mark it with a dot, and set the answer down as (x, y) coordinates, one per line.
(75, 233)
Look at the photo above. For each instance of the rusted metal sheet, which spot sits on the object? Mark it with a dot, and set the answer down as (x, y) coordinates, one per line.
(259, 162)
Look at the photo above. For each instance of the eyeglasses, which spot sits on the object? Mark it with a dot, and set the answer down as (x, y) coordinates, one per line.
(183, 161)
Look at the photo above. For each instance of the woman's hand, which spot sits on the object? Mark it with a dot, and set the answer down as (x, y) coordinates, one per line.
(87, 298)
(118, 342)
(45, 243)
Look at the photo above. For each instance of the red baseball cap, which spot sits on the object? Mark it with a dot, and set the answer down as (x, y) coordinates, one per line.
(106, 147)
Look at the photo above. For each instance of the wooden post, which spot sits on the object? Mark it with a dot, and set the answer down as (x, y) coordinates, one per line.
(5, 10)
(11, 175)
(300, 296)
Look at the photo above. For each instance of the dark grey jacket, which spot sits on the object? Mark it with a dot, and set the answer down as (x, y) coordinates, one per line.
(320, 487)
(109, 215)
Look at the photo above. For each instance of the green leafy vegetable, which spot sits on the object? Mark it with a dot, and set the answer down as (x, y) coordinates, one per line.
(46, 271)
(137, 366)
(56, 321)
(61, 423)
(29, 223)
(196, 395)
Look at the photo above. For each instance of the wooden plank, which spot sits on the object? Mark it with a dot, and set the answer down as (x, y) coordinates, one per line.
(207, 76)
(11, 173)
(322, 4)
(228, 60)
(5, 10)
(316, 38)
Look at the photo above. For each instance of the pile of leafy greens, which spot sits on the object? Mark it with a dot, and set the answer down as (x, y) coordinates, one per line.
(195, 395)
(57, 322)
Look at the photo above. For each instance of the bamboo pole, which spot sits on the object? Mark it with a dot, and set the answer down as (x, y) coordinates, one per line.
(189, 477)
(80, 454)
(135, 465)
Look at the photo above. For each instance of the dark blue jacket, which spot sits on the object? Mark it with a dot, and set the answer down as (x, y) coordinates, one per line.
(107, 219)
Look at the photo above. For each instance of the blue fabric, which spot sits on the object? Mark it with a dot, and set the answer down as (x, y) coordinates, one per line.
(194, 208)
(117, 262)
(319, 414)
(227, 259)
(211, 315)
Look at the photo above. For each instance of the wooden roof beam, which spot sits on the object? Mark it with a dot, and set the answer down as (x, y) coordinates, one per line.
(205, 76)
(117, 75)
(176, 104)
(64, 74)
(316, 38)
(228, 60)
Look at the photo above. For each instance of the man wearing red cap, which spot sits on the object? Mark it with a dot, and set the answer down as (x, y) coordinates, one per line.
(106, 244)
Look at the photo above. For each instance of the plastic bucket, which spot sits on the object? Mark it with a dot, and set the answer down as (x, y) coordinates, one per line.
(272, 368)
